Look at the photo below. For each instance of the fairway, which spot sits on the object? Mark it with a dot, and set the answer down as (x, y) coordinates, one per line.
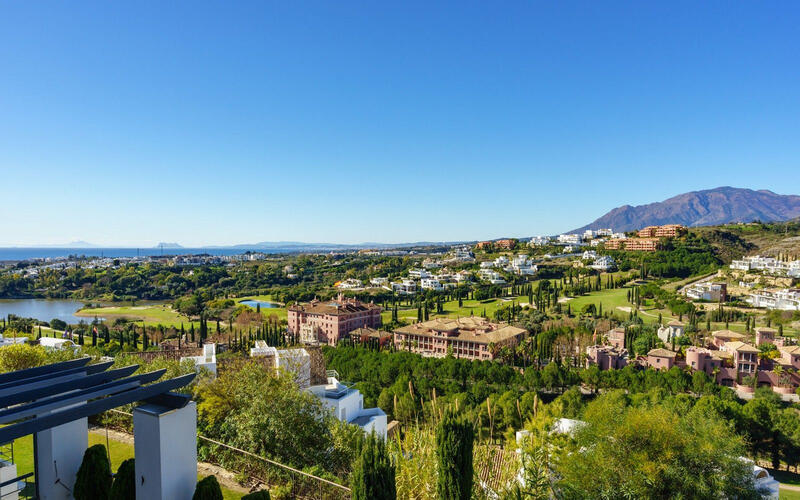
(151, 314)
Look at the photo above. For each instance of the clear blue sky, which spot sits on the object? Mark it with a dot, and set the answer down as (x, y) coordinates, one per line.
(218, 123)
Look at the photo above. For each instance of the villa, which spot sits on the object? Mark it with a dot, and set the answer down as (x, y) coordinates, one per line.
(333, 320)
(468, 338)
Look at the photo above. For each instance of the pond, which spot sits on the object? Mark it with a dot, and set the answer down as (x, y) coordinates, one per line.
(43, 309)
(264, 305)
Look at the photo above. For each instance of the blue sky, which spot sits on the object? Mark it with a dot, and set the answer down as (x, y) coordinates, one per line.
(233, 122)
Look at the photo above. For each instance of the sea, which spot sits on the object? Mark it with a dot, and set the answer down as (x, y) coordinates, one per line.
(19, 253)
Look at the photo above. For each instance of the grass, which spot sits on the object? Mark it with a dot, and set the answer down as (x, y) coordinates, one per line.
(266, 311)
(789, 494)
(451, 309)
(152, 314)
(118, 451)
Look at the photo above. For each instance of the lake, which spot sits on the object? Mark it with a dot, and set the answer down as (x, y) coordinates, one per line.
(264, 305)
(43, 309)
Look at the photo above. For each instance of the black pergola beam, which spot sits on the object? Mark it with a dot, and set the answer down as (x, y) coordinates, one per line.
(69, 385)
(43, 370)
(37, 424)
(62, 400)
(45, 380)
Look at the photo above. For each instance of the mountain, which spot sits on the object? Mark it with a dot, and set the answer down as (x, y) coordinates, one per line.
(722, 205)
(168, 245)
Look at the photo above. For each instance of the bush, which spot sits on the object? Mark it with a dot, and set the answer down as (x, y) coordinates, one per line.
(124, 487)
(94, 476)
(207, 489)
(257, 495)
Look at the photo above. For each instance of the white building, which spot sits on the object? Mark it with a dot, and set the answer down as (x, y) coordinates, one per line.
(379, 281)
(406, 287)
(501, 261)
(419, 273)
(207, 360)
(786, 300)
(55, 344)
(4, 341)
(492, 277)
(670, 331)
(463, 277)
(539, 241)
(347, 404)
(431, 284)
(604, 263)
(768, 265)
(350, 284)
(522, 265)
(296, 362)
(589, 255)
(569, 239)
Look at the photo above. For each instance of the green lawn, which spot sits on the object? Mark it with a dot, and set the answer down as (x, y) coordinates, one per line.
(451, 309)
(266, 311)
(118, 452)
(152, 314)
(789, 494)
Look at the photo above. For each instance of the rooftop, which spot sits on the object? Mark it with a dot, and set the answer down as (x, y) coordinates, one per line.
(474, 329)
(661, 353)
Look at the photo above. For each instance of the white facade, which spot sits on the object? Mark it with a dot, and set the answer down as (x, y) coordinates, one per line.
(350, 284)
(785, 300)
(539, 241)
(419, 273)
(768, 265)
(4, 341)
(671, 331)
(569, 239)
(431, 284)
(347, 404)
(589, 255)
(207, 360)
(604, 263)
(406, 287)
(379, 281)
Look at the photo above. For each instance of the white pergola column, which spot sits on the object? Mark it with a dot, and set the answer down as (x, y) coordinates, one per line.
(165, 446)
(58, 454)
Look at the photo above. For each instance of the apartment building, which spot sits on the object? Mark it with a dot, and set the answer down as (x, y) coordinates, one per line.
(634, 244)
(465, 337)
(667, 231)
(785, 300)
(332, 320)
(712, 292)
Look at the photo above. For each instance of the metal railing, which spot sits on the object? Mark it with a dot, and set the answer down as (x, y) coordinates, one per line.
(292, 482)
(22, 487)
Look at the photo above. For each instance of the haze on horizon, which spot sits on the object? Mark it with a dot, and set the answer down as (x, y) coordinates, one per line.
(217, 124)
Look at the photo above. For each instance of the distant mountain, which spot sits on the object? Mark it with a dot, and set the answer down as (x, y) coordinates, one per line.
(168, 245)
(722, 205)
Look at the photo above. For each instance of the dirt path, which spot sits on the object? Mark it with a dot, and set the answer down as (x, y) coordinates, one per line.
(225, 477)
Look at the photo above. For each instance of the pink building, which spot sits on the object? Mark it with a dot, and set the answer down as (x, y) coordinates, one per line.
(605, 357)
(661, 359)
(702, 359)
(790, 356)
(329, 321)
(720, 337)
(745, 356)
(471, 338)
(616, 338)
(765, 336)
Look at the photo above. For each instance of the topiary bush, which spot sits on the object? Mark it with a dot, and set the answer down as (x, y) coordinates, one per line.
(124, 486)
(257, 495)
(207, 489)
(94, 476)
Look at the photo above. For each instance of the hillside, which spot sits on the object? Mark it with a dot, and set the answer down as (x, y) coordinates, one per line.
(718, 206)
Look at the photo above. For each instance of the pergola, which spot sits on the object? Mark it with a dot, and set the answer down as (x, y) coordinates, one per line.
(52, 403)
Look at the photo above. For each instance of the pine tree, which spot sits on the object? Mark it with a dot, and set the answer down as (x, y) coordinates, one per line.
(124, 486)
(454, 443)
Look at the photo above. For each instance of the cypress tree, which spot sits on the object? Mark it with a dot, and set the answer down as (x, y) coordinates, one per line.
(208, 489)
(373, 472)
(124, 486)
(93, 481)
(454, 442)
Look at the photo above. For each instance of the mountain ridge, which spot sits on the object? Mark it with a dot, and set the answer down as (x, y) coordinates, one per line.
(708, 207)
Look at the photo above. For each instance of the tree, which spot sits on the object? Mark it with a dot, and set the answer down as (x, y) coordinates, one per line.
(208, 489)
(93, 481)
(454, 442)
(373, 472)
(21, 356)
(124, 486)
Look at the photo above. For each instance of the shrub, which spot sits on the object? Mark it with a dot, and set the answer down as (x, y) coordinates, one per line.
(94, 475)
(207, 489)
(124, 486)
(257, 495)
